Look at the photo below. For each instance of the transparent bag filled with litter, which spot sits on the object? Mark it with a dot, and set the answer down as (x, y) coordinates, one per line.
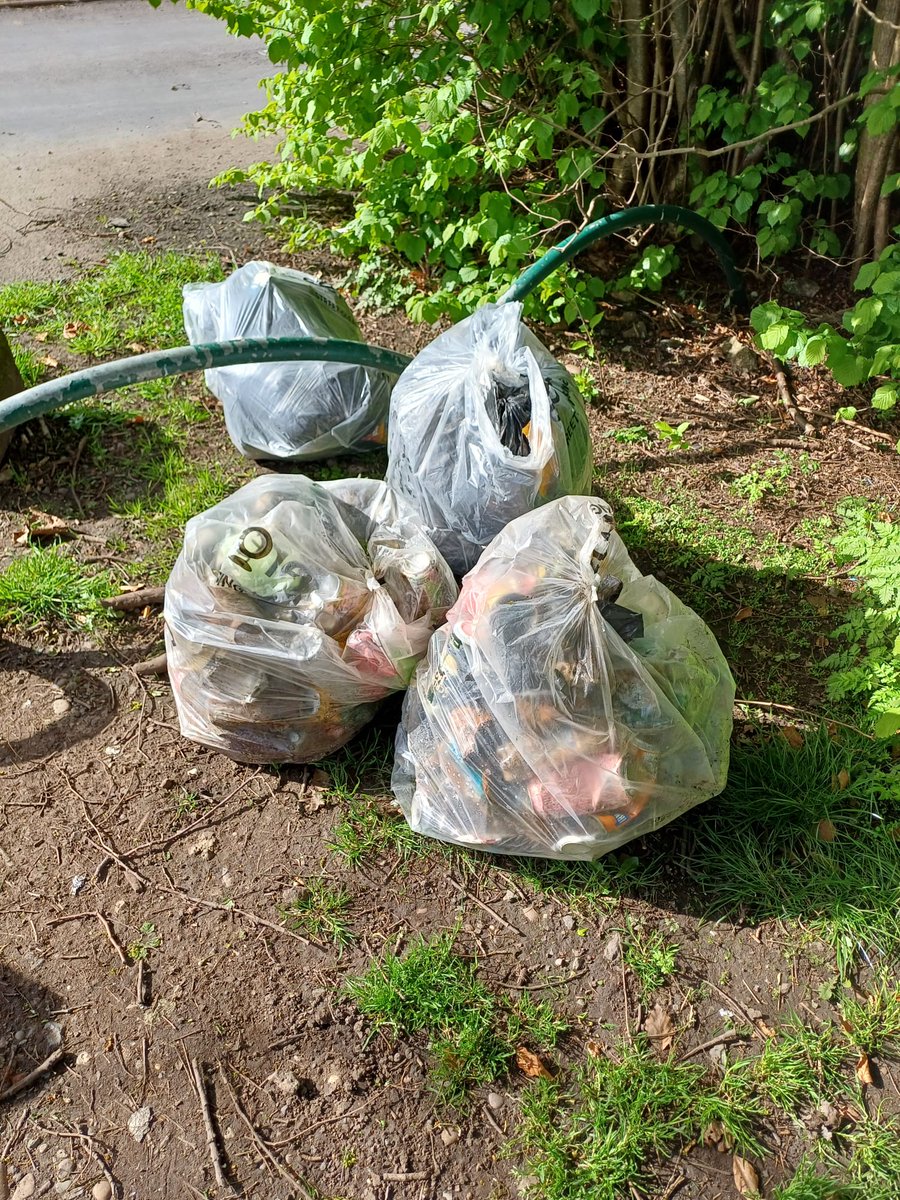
(293, 609)
(569, 704)
(485, 425)
(297, 411)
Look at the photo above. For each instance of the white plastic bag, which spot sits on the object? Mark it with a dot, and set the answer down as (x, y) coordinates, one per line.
(295, 411)
(569, 704)
(294, 607)
(485, 425)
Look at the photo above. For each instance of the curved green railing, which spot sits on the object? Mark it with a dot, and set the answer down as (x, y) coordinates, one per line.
(123, 372)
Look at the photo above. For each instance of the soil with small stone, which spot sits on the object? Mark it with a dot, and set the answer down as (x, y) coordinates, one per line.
(142, 936)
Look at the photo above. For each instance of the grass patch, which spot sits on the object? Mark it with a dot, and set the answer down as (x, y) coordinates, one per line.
(650, 957)
(594, 884)
(597, 1136)
(873, 1025)
(134, 298)
(46, 585)
(321, 911)
(27, 364)
(809, 1184)
(786, 839)
(368, 826)
(800, 1067)
(472, 1034)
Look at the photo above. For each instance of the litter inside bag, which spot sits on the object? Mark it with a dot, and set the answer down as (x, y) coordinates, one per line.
(485, 425)
(296, 410)
(293, 609)
(569, 704)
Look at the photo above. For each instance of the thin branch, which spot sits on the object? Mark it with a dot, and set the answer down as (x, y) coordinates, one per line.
(27, 1080)
(875, 17)
(702, 152)
(722, 1040)
(212, 1141)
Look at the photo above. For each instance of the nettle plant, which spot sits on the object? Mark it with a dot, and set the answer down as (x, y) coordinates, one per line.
(866, 666)
(868, 346)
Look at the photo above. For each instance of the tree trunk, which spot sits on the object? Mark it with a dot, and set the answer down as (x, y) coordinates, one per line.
(10, 383)
(634, 16)
(876, 152)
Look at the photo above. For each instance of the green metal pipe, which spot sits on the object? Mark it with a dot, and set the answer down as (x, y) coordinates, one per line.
(643, 214)
(107, 377)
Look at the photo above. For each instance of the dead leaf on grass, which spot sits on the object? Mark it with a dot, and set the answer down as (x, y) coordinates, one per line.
(49, 361)
(864, 1070)
(19, 319)
(743, 613)
(531, 1064)
(713, 1134)
(660, 1027)
(825, 831)
(746, 1177)
(41, 525)
(792, 736)
(594, 1049)
(842, 779)
(72, 329)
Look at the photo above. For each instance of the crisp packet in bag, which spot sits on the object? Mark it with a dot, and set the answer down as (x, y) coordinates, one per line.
(293, 609)
(569, 704)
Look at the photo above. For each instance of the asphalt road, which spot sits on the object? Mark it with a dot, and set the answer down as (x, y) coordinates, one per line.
(97, 72)
(108, 102)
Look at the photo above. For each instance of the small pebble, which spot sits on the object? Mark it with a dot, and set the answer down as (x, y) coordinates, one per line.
(495, 1100)
(78, 882)
(139, 1123)
(24, 1188)
(569, 921)
(61, 706)
(613, 948)
(136, 886)
(449, 1136)
(101, 1190)
(82, 1058)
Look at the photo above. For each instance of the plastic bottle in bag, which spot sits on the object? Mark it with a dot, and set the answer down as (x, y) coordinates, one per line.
(569, 704)
(485, 425)
(296, 411)
(293, 609)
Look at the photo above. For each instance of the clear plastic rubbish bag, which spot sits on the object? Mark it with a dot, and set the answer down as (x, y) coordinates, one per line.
(485, 425)
(295, 411)
(293, 609)
(569, 704)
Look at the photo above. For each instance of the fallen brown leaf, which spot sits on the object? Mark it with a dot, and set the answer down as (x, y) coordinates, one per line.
(41, 525)
(713, 1134)
(864, 1070)
(530, 1064)
(743, 613)
(746, 1178)
(49, 361)
(72, 329)
(792, 736)
(40, 337)
(660, 1027)
(594, 1049)
(825, 831)
(843, 779)
(19, 319)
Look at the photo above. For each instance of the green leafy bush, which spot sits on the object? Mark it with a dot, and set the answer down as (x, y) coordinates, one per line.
(463, 136)
(868, 347)
(867, 665)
